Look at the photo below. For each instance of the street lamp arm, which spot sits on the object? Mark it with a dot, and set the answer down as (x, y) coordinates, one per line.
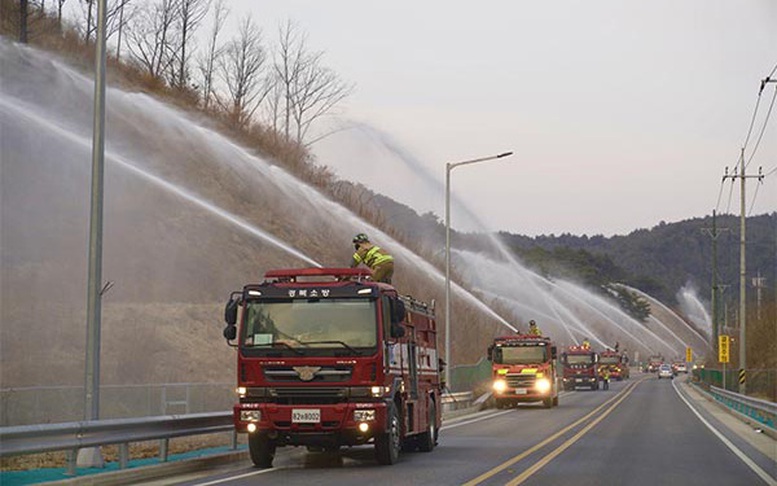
(448, 168)
(452, 165)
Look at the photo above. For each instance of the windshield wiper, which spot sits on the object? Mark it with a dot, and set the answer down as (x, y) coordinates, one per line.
(288, 346)
(349, 348)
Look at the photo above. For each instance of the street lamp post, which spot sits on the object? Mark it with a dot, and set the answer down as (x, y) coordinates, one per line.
(448, 168)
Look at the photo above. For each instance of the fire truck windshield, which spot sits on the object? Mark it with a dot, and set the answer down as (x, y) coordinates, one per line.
(609, 360)
(320, 327)
(520, 354)
(578, 359)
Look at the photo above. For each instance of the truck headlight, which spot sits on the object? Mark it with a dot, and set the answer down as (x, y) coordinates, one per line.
(378, 391)
(241, 391)
(500, 386)
(250, 415)
(366, 415)
(542, 385)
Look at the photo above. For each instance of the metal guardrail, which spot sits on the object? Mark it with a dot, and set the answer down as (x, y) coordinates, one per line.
(456, 401)
(762, 411)
(72, 436)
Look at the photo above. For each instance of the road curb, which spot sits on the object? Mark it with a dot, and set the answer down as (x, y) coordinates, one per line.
(741, 418)
(150, 472)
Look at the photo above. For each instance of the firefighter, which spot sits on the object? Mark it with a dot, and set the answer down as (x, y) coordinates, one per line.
(605, 378)
(533, 329)
(381, 263)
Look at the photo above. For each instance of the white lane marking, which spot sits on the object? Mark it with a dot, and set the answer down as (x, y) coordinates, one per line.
(472, 421)
(246, 475)
(741, 455)
(485, 417)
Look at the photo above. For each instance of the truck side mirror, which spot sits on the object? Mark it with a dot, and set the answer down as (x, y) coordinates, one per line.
(230, 332)
(398, 314)
(230, 312)
(553, 352)
(490, 353)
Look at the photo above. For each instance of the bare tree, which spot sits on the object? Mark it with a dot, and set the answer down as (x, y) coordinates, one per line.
(241, 69)
(207, 64)
(23, 21)
(287, 67)
(316, 92)
(114, 18)
(60, 4)
(152, 41)
(307, 90)
(190, 14)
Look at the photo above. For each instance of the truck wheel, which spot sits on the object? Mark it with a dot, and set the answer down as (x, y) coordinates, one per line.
(501, 403)
(547, 402)
(387, 444)
(428, 439)
(262, 450)
(555, 401)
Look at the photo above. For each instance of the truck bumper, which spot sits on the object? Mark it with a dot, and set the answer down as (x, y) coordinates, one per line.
(332, 425)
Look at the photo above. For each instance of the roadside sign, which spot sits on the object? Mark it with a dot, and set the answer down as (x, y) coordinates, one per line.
(688, 354)
(723, 348)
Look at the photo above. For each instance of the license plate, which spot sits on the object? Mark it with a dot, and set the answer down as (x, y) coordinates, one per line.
(578, 380)
(520, 391)
(305, 415)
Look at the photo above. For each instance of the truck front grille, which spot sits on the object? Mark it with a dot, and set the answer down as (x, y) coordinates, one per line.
(326, 374)
(520, 381)
(307, 396)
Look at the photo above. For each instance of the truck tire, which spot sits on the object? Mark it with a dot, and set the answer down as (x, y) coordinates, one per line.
(262, 450)
(555, 401)
(547, 402)
(501, 403)
(388, 443)
(428, 439)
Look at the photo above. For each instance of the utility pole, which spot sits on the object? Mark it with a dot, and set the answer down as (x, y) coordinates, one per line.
(714, 232)
(742, 269)
(91, 456)
(759, 283)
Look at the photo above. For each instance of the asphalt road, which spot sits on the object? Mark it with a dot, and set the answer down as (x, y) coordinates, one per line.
(640, 432)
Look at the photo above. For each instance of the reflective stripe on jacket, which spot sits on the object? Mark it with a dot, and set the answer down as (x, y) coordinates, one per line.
(373, 257)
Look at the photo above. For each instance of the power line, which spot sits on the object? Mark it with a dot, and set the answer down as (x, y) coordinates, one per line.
(770, 172)
(755, 195)
(720, 193)
(730, 192)
(752, 119)
(763, 128)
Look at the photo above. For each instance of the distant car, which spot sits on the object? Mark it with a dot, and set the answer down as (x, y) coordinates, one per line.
(680, 368)
(665, 371)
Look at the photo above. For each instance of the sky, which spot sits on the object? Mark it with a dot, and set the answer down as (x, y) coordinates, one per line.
(620, 114)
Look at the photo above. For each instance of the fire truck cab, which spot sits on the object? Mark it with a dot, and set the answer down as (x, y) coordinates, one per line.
(580, 368)
(327, 358)
(523, 370)
(616, 363)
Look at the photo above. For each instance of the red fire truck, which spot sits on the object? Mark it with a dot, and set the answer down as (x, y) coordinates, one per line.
(523, 370)
(580, 368)
(327, 358)
(654, 362)
(616, 363)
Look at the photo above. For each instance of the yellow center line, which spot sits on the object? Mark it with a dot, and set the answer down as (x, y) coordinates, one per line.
(552, 455)
(545, 442)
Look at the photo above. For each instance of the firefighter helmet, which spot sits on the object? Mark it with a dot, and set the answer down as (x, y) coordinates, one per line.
(361, 238)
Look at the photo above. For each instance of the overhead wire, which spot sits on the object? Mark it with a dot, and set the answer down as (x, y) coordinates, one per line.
(747, 140)
(755, 196)
(763, 128)
(730, 192)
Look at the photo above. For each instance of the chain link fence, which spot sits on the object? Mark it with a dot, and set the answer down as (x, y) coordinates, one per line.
(55, 404)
